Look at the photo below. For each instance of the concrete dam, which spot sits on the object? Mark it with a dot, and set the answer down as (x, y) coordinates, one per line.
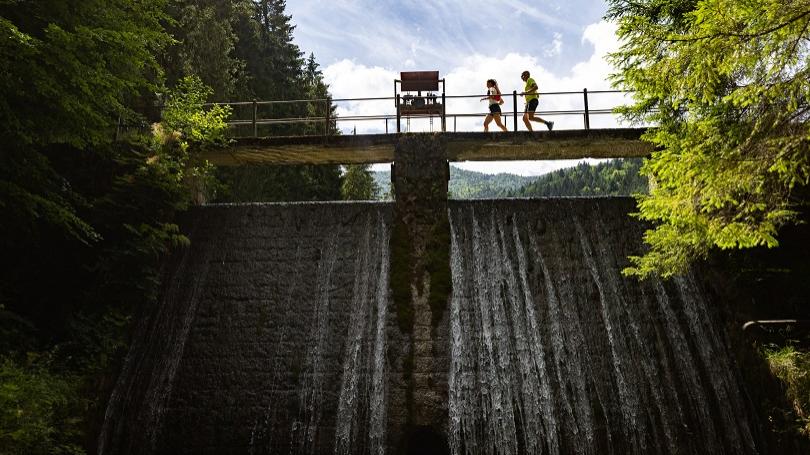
(278, 332)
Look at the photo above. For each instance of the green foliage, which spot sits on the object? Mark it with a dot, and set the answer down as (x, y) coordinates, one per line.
(186, 128)
(69, 68)
(726, 81)
(358, 184)
(475, 185)
(68, 72)
(72, 72)
(792, 367)
(464, 184)
(279, 183)
(185, 113)
(613, 178)
(206, 39)
(38, 409)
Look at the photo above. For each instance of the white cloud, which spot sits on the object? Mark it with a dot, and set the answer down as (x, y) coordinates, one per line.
(349, 79)
(555, 47)
(467, 76)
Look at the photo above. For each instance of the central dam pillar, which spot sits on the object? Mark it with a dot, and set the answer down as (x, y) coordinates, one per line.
(421, 286)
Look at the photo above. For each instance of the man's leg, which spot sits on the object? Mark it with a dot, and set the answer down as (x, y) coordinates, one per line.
(526, 121)
(549, 124)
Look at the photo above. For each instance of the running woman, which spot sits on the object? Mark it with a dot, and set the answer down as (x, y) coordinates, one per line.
(495, 101)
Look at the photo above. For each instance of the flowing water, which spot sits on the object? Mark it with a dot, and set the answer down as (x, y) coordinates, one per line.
(274, 335)
(554, 351)
(270, 337)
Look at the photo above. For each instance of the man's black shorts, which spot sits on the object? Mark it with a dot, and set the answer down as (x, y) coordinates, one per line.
(494, 109)
(531, 106)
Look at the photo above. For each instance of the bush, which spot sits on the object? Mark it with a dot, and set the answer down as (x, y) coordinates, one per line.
(792, 367)
(38, 409)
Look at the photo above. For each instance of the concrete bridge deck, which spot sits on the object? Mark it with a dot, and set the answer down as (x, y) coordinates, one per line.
(466, 146)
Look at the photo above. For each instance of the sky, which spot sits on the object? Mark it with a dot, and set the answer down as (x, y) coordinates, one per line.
(362, 45)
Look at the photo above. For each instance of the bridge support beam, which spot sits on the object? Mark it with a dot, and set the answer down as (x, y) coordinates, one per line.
(421, 286)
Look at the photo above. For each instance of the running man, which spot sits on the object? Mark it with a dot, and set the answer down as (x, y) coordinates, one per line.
(532, 100)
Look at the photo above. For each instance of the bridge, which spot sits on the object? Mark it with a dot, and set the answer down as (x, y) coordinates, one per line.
(260, 130)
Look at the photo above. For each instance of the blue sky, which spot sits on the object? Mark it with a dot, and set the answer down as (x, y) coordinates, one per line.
(362, 45)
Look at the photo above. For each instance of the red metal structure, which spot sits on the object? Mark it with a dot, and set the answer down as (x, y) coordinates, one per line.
(428, 105)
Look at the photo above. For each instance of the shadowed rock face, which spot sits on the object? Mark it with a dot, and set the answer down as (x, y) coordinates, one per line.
(275, 335)
(270, 337)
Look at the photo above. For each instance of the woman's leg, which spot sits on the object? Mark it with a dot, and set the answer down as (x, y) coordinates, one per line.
(487, 122)
(498, 122)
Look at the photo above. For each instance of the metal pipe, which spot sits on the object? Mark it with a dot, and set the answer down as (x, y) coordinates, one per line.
(255, 115)
(514, 106)
(444, 110)
(326, 123)
(398, 115)
(587, 120)
(776, 323)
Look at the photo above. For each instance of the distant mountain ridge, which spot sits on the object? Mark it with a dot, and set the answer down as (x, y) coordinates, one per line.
(618, 177)
(466, 184)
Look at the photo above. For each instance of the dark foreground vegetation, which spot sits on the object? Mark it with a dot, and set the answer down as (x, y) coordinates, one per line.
(90, 182)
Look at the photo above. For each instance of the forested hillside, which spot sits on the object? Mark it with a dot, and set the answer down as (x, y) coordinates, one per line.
(466, 184)
(612, 178)
(101, 119)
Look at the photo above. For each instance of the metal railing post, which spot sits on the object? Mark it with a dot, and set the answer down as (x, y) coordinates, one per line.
(386, 125)
(398, 115)
(444, 113)
(514, 107)
(255, 114)
(328, 109)
(587, 115)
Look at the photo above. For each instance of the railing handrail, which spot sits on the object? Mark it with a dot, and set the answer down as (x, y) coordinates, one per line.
(389, 98)
(435, 107)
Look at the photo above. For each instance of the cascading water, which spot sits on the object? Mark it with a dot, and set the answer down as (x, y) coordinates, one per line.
(554, 351)
(271, 337)
(274, 335)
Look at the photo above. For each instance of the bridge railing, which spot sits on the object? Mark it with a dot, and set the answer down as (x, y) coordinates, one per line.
(316, 116)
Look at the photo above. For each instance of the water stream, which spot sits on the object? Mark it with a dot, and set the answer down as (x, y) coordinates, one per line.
(554, 351)
(273, 335)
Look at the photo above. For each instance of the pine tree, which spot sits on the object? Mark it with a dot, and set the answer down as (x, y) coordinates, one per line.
(358, 184)
(727, 84)
(205, 44)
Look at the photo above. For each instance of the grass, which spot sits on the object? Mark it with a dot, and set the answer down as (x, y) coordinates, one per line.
(792, 367)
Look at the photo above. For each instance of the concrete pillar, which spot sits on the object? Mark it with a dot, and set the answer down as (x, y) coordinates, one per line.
(421, 285)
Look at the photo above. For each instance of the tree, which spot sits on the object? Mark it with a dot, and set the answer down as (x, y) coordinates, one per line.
(70, 69)
(358, 184)
(316, 89)
(727, 83)
(205, 43)
(68, 74)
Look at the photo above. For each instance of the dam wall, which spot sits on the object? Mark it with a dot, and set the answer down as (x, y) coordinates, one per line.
(277, 332)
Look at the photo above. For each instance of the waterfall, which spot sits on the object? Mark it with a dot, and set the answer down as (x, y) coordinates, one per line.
(554, 351)
(270, 337)
(273, 335)
(362, 413)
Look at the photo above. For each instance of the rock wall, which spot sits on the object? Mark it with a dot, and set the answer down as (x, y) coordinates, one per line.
(269, 338)
(278, 333)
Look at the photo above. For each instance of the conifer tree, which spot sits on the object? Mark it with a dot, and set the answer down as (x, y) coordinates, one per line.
(727, 83)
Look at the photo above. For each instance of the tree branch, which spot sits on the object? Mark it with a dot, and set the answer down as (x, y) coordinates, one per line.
(740, 35)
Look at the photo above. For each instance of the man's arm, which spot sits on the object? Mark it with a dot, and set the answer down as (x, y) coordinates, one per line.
(533, 89)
